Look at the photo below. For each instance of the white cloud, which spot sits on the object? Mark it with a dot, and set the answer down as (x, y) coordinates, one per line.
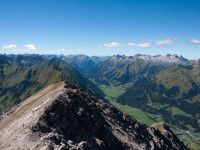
(193, 41)
(131, 44)
(30, 47)
(148, 44)
(144, 45)
(10, 46)
(166, 42)
(114, 44)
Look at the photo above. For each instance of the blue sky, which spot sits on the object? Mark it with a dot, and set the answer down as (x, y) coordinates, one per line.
(100, 27)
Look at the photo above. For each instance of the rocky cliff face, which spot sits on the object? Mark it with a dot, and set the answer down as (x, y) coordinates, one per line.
(76, 120)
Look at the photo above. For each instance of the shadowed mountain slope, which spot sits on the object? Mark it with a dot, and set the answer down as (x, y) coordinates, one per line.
(38, 61)
(18, 83)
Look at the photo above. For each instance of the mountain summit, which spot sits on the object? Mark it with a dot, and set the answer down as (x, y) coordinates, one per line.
(62, 116)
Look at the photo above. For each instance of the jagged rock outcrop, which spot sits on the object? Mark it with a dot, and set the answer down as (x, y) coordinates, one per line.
(76, 120)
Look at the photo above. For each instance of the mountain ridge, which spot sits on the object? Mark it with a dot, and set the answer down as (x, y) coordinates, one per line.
(19, 82)
(37, 61)
(94, 124)
(121, 69)
(171, 59)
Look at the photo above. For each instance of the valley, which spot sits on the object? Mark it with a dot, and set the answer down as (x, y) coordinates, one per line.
(189, 137)
(150, 111)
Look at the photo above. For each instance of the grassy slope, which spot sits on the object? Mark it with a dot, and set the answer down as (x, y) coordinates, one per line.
(20, 82)
(138, 114)
(114, 92)
(111, 92)
(193, 144)
(39, 62)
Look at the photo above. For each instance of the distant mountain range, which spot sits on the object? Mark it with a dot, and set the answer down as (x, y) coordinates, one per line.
(121, 69)
(168, 59)
(81, 63)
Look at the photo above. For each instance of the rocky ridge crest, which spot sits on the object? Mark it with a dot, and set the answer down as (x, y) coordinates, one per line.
(169, 59)
(76, 120)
